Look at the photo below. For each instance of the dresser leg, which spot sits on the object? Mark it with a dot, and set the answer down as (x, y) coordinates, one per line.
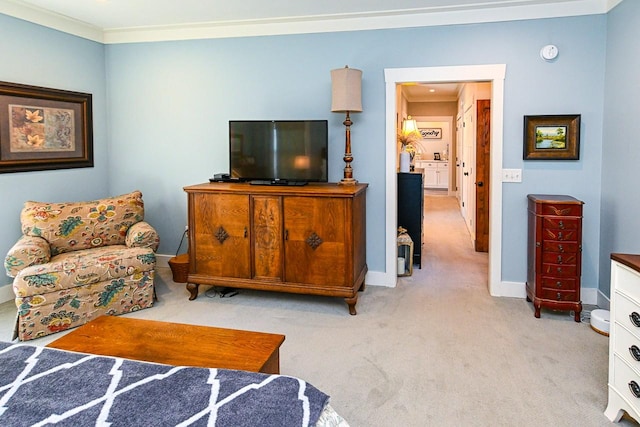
(351, 302)
(193, 290)
(536, 305)
(578, 311)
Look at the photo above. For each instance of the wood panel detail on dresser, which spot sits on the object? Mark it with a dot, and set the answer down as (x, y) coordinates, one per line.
(624, 338)
(554, 253)
(299, 239)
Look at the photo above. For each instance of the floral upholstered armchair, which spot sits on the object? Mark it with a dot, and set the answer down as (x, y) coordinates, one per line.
(80, 260)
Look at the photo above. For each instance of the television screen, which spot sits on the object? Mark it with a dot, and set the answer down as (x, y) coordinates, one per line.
(287, 150)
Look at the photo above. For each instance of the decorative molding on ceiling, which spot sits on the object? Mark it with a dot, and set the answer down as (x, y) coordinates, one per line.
(481, 12)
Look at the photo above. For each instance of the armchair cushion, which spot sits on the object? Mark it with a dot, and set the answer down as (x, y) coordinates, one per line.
(81, 268)
(82, 225)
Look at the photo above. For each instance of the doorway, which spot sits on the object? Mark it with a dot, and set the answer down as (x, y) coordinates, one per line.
(493, 73)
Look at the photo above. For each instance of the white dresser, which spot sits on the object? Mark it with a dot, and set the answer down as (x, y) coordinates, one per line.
(624, 338)
(436, 173)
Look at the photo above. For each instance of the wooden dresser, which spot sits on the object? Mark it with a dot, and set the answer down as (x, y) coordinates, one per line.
(300, 239)
(554, 253)
(410, 210)
(624, 338)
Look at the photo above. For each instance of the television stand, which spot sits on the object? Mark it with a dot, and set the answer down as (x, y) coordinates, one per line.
(303, 240)
(277, 182)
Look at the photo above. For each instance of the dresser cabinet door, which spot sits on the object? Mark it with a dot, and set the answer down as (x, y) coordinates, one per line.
(316, 250)
(267, 237)
(221, 230)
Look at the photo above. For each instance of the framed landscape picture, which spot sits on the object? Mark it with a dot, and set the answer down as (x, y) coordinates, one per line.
(42, 129)
(552, 137)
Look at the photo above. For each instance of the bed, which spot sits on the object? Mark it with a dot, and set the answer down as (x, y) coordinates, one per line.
(43, 386)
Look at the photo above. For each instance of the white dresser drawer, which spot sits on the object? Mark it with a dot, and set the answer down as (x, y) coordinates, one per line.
(626, 309)
(625, 344)
(623, 378)
(627, 281)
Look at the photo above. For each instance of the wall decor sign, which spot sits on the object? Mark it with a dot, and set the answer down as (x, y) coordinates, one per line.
(431, 133)
(43, 129)
(552, 137)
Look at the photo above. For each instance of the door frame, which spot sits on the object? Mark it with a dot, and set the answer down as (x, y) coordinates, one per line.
(495, 73)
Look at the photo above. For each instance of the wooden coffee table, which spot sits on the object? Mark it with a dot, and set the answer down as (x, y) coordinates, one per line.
(176, 344)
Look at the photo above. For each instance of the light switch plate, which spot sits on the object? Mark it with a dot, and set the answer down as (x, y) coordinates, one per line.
(511, 175)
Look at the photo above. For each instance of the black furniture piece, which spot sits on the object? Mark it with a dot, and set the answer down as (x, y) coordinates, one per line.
(410, 210)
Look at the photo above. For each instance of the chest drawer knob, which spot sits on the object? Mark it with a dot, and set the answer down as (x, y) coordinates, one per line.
(635, 352)
(635, 319)
(635, 388)
(560, 248)
(561, 224)
(559, 284)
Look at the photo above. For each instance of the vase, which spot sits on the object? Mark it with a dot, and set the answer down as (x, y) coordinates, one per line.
(405, 160)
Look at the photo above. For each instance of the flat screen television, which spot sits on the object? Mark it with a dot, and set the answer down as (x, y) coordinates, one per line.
(278, 151)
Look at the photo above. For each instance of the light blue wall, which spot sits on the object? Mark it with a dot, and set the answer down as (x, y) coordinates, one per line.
(169, 104)
(620, 231)
(34, 55)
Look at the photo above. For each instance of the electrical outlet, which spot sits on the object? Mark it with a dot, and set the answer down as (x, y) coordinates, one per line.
(511, 175)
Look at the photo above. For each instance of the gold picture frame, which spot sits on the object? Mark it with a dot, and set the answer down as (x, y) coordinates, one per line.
(44, 129)
(552, 137)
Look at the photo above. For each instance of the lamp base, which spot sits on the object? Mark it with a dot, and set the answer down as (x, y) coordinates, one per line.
(348, 181)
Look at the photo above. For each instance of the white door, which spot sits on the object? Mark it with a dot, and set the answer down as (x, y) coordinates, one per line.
(468, 171)
(458, 160)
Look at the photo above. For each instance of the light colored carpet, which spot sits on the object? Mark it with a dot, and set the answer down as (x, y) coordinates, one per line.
(436, 350)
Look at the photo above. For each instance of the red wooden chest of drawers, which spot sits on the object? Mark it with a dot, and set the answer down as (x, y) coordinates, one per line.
(554, 253)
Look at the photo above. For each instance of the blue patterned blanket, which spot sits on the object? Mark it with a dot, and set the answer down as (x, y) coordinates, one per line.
(43, 386)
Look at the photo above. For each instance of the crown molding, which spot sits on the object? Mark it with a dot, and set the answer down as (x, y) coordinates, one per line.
(50, 19)
(508, 10)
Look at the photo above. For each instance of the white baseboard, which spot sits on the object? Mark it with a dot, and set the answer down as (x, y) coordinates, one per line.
(6, 293)
(379, 278)
(373, 278)
(163, 260)
(591, 296)
(603, 301)
(510, 290)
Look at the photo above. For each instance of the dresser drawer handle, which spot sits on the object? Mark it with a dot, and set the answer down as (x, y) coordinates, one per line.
(561, 224)
(635, 388)
(560, 248)
(559, 284)
(635, 319)
(635, 352)
(559, 296)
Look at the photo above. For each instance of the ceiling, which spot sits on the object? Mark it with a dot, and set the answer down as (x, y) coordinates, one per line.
(123, 21)
(431, 92)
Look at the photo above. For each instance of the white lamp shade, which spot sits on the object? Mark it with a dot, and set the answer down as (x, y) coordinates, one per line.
(409, 125)
(346, 90)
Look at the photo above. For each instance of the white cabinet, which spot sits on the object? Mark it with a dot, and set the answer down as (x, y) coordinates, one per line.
(436, 174)
(624, 338)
